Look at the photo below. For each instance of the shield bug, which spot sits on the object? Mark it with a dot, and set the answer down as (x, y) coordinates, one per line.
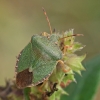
(37, 60)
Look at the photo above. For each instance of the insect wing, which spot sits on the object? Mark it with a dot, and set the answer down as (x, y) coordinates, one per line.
(43, 72)
(46, 55)
(23, 76)
(24, 58)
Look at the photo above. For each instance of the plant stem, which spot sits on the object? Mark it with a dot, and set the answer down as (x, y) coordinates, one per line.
(26, 92)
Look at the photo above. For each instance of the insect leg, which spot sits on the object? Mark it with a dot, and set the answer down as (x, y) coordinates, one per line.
(42, 85)
(53, 88)
(62, 65)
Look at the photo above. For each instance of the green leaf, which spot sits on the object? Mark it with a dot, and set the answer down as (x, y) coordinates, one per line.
(77, 46)
(74, 62)
(70, 76)
(87, 85)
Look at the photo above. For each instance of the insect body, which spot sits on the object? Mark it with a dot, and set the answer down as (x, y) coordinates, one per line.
(37, 61)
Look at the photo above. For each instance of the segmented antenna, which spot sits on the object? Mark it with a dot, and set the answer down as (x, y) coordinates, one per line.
(72, 35)
(47, 20)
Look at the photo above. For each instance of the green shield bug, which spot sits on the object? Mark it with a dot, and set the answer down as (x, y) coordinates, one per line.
(37, 60)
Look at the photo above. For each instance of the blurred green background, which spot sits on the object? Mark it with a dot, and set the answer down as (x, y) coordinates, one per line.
(20, 19)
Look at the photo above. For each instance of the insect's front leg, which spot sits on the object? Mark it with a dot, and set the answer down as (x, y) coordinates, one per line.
(62, 66)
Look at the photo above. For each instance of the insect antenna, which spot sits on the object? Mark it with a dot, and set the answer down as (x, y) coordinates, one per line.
(71, 36)
(47, 19)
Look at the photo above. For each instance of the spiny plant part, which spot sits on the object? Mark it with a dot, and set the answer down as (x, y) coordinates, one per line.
(47, 62)
(53, 89)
